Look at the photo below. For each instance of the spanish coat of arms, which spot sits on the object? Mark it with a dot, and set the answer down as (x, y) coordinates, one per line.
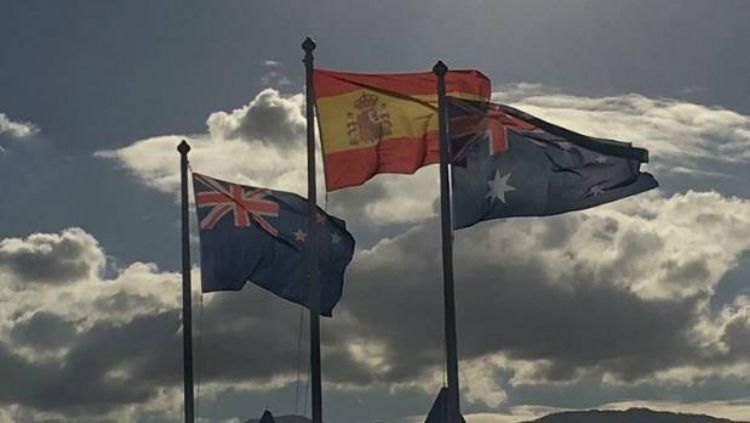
(370, 123)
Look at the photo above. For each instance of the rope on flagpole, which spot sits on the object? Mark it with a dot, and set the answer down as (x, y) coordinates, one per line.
(307, 391)
(442, 366)
(299, 357)
(198, 356)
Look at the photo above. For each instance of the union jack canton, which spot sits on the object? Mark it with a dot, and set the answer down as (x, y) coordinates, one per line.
(244, 205)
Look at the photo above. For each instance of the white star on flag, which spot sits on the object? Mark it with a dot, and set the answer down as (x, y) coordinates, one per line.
(565, 145)
(300, 235)
(335, 238)
(498, 187)
(596, 190)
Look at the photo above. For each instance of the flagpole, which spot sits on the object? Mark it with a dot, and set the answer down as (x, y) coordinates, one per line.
(187, 307)
(453, 398)
(312, 237)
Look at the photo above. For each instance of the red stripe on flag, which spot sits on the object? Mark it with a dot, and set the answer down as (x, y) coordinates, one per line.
(331, 83)
(399, 155)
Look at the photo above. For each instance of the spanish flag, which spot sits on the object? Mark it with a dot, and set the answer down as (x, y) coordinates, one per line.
(383, 123)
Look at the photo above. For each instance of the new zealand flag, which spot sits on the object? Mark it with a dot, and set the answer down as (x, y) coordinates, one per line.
(260, 235)
(507, 163)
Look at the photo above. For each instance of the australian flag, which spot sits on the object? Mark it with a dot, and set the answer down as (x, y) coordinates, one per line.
(507, 163)
(260, 235)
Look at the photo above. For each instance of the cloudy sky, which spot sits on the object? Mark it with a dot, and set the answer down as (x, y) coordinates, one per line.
(641, 302)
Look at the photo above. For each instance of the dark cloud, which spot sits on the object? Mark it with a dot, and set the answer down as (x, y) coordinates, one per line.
(52, 258)
(47, 387)
(122, 302)
(249, 336)
(737, 335)
(511, 300)
(252, 335)
(525, 288)
(43, 330)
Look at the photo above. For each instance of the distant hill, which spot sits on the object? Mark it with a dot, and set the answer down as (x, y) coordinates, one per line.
(633, 415)
(289, 418)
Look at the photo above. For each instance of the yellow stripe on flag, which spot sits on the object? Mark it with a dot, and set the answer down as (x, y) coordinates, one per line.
(363, 118)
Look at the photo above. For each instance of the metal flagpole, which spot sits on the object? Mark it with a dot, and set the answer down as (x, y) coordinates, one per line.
(312, 238)
(453, 401)
(187, 307)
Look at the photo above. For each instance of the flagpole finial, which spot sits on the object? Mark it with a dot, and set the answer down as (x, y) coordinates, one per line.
(308, 45)
(440, 69)
(183, 148)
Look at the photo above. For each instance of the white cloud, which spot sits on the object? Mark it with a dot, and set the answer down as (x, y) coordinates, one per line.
(275, 79)
(663, 248)
(152, 160)
(262, 143)
(275, 76)
(269, 117)
(16, 129)
(677, 133)
(234, 148)
(481, 381)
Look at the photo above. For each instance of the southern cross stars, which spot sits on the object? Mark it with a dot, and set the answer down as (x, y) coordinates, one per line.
(301, 236)
(498, 187)
(595, 191)
(565, 145)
